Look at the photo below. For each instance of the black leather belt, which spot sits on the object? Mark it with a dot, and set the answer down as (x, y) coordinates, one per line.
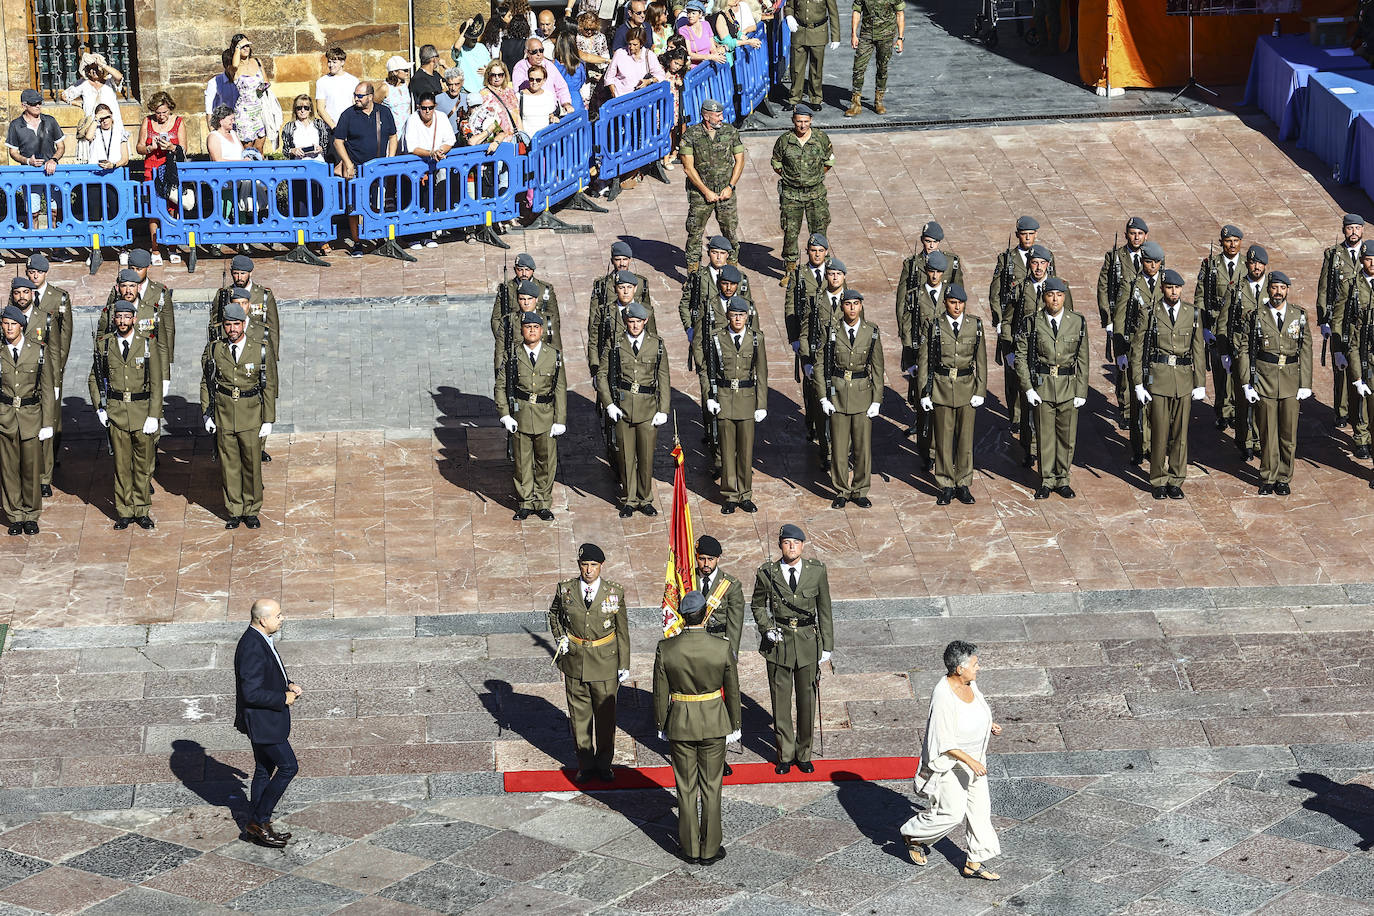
(1168, 359)
(128, 396)
(528, 398)
(21, 402)
(850, 374)
(1056, 371)
(1277, 359)
(636, 388)
(942, 372)
(237, 393)
(812, 25)
(735, 384)
(793, 623)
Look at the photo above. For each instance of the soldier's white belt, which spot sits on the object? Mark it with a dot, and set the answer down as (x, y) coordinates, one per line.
(696, 697)
(609, 637)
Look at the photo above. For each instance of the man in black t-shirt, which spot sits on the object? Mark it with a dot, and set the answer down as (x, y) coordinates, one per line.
(429, 78)
(34, 139)
(364, 132)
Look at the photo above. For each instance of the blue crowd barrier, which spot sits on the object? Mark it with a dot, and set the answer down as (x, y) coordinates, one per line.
(78, 206)
(559, 162)
(751, 72)
(696, 88)
(634, 130)
(779, 50)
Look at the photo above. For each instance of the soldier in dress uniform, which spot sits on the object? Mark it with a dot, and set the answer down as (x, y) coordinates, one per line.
(811, 304)
(724, 594)
(801, 157)
(1216, 283)
(1168, 372)
(697, 708)
(712, 155)
(260, 307)
(791, 605)
(1129, 314)
(814, 23)
(1012, 266)
(56, 304)
(1349, 320)
(591, 632)
(1052, 364)
(1248, 294)
(27, 405)
(875, 27)
(238, 398)
(1276, 363)
(849, 385)
(924, 300)
(1022, 306)
(732, 364)
(633, 387)
(155, 310)
(707, 294)
(913, 268)
(532, 387)
(605, 315)
(952, 372)
(528, 299)
(1120, 267)
(1340, 262)
(507, 309)
(41, 328)
(126, 387)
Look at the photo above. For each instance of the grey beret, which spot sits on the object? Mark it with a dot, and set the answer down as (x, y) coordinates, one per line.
(15, 313)
(708, 546)
(238, 292)
(1152, 251)
(21, 283)
(531, 318)
(528, 288)
(1352, 219)
(932, 231)
(38, 262)
(851, 295)
(791, 532)
(738, 304)
(524, 259)
(625, 277)
(1257, 253)
(720, 243)
(234, 312)
(1171, 277)
(622, 250)
(804, 110)
(590, 553)
(140, 258)
(241, 262)
(729, 274)
(1039, 251)
(1367, 249)
(1231, 232)
(637, 310)
(1278, 276)
(712, 105)
(123, 305)
(1027, 224)
(956, 291)
(129, 275)
(816, 238)
(836, 264)
(1136, 222)
(936, 260)
(1056, 285)
(694, 602)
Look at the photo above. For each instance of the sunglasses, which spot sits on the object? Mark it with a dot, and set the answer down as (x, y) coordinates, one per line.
(428, 107)
(361, 95)
(534, 51)
(536, 79)
(306, 107)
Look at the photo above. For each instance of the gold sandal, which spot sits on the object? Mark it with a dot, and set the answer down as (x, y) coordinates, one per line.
(981, 872)
(916, 852)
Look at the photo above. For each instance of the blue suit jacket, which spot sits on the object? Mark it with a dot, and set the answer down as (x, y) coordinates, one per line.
(260, 709)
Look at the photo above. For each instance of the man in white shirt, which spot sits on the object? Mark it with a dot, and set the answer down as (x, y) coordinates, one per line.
(334, 90)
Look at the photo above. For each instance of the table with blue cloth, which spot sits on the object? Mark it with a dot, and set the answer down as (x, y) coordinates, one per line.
(1333, 102)
(1364, 151)
(1279, 72)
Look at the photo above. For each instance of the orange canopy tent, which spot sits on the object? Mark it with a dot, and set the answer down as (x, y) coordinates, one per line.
(1135, 44)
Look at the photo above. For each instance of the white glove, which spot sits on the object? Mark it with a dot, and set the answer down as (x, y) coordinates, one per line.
(659, 419)
(796, 347)
(826, 406)
(661, 736)
(1208, 336)
(1340, 360)
(1251, 395)
(1361, 387)
(927, 404)
(1079, 402)
(808, 370)
(563, 645)
(1199, 394)
(976, 401)
(265, 430)
(873, 410)
(1142, 395)
(792, 23)
(1226, 363)
(209, 424)
(712, 406)
(759, 415)
(166, 386)
(623, 675)
(1107, 329)
(1033, 397)
(1121, 362)
(509, 423)
(1326, 330)
(997, 331)
(150, 426)
(1304, 393)
(774, 635)
(1009, 360)
(102, 416)
(834, 45)
(615, 413)
(734, 737)
(57, 394)
(825, 656)
(45, 434)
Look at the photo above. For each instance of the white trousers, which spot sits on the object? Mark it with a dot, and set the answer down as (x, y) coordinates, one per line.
(959, 798)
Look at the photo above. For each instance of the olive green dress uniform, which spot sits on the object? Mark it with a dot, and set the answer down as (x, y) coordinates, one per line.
(27, 404)
(961, 373)
(1025, 304)
(1169, 358)
(1227, 392)
(604, 319)
(914, 315)
(1129, 314)
(807, 314)
(1019, 259)
(640, 389)
(1128, 263)
(851, 375)
(1281, 363)
(130, 391)
(1340, 263)
(914, 272)
(803, 616)
(877, 32)
(801, 184)
(1056, 365)
(261, 309)
(546, 304)
(705, 310)
(155, 313)
(740, 386)
(697, 704)
(818, 24)
(599, 637)
(240, 403)
(540, 400)
(724, 611)
(1352, 315)
(1245, 298)
(1019, 271)
(54, 305)
(714, 159)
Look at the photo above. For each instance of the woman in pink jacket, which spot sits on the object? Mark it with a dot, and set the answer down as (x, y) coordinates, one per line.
(633, 67)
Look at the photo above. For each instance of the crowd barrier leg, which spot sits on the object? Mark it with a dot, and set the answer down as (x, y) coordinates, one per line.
(303, 255)
(486, 234)
(97, 257)
(546, 219)
(389, 248)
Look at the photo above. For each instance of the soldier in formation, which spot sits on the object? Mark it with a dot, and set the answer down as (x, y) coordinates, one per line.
(606, 311)
(264, 321)
(849, 387)
(1128, 317)
(1120, 267)
(126, 386)
(1052, 365)
(952, 373)
(1168, 371)
(705, 293)
(1218, 276)
(633, 388)
(532, 387)
(55, 304)
(923, 300)
(1340, 263)
(812, 302)
(27, 407)
(712, 156)
(1275, 360)
(732, 365)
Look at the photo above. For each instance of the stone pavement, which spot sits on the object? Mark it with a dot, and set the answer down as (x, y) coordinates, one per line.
(1171, 752)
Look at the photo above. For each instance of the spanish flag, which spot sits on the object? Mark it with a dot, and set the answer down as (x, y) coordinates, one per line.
(681, 576)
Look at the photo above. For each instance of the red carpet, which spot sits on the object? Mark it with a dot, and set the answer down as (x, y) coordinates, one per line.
(746, 774)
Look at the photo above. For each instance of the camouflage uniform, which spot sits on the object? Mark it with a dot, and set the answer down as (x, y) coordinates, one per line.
(801, 186)
(714, 160)
(877, 31)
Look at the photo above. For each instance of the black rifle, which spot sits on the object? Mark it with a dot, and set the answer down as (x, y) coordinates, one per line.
(215, 329)
(1334, 277)
(508, 331)
(799, 312)
(694, 307)
(813, 343)
(101, 367)
(1209, 295)
(613, 386)
(715, 368)
(1114, 278)
(1004, 294)
(1133, 316)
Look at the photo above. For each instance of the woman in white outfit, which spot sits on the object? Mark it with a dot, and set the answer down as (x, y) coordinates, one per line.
(954, 773)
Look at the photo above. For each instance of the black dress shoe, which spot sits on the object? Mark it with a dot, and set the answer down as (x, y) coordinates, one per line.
(727, 508)
(1042, 493)
(782, 769)
(545, 515)
(606, 775)
(806, 766)
(648, 509)
(690, 860)
(581, 776)
(231, 522)
(1282, 489)
(46, 490)
(145, 523)
(521, 514)
(1266, 489)
(729, 770)
(1175, 492)
(119, 525)
(266, 457)
(1361, 451)
(838, 502)
(712, 860)
(748, 506)
(946, 494)
(252, 521)
(276, 834)
(1065, 491)
(256, 833)
(627, 511)
(30, 527)
(863, 502)
(1159, 492)
(964, 496)
(17, 528)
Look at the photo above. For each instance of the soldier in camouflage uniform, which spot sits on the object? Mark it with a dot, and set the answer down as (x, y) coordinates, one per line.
(712, 160)
(1340, 262)
(801, 157)
(875, 27)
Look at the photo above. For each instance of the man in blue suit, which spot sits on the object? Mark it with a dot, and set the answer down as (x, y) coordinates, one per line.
(263, 713)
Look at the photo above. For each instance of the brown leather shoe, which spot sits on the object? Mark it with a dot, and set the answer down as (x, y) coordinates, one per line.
(276, 834)
(878, 105)
(855, 106)
(256, 833)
